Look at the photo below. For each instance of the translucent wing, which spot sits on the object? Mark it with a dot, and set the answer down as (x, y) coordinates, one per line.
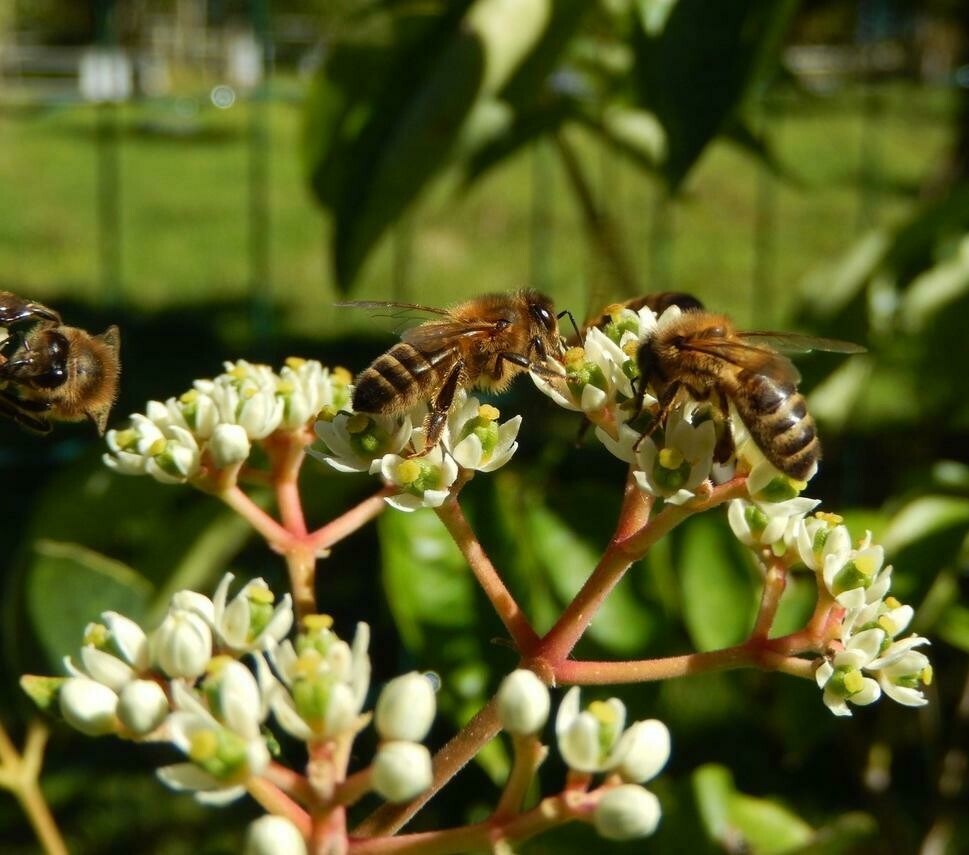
(434, 335)
(794, 343)
(749, 357)
(405, 315)
(391, 304)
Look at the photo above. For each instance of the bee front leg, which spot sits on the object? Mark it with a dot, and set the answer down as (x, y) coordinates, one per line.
(25, 413)
(15, 309)
(666, 400)
(523, 362)
(437, 417)
(725, 443)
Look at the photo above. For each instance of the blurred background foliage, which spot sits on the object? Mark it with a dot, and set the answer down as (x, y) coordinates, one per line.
(798, 165)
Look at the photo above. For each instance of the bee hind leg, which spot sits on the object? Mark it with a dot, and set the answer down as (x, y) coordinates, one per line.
(437, 418)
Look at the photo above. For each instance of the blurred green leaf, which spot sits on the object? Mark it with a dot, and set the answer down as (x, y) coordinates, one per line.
(719, 597)
(953, 627)
(68, 586)
(696, 71)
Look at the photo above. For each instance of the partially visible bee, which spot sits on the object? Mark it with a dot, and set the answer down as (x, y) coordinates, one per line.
(704, 355)
(54, 372)
(658, 301)
(481, 343)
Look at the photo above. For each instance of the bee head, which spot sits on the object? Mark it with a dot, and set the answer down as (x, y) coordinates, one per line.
(540, 308)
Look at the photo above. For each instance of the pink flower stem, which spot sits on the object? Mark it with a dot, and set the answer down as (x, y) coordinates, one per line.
(347, 523)
(447, 763)
(557, 644)
(276, 802)
(276, 535)
(508, 610)
(483, 836)
(775, 581)
(528, 754)
(292, 783)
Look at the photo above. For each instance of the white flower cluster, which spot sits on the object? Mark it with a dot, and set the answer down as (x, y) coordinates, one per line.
(473, 440)
(868, 657)
(215, 423)
(186, 683)
(596, 741)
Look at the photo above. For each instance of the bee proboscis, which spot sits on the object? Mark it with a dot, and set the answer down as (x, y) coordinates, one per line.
(53, 372)
(483, 343)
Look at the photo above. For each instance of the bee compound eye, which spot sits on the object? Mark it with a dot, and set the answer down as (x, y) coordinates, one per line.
(544, 316)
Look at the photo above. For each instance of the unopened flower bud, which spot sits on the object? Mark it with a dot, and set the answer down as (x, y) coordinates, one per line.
(229, 445)
(274, 835)
(627, 812)
(89, 706)
(644, 748)
(405, 709)
(523, 703)
(183, 644)
(401, 770)
(142, 706)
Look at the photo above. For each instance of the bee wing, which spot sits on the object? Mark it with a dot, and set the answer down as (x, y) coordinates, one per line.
(391, 304)
(434, 335)
(750, 357)
(795, 343)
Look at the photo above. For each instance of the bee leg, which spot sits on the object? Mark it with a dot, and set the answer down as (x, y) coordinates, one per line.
(666, 401)
(725, 445)
(15, 309)
(437, 417)
(23, 412)
(523, 361)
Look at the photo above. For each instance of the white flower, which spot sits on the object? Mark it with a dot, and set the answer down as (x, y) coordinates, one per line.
(675, 471)
(627, 812)
(182, 644)
(222, 759)
(142, 707)
(274, 835)
(89, 706)
(229, 445)
(644, 749)
(820, 536)
(842, 679)
(351, 443)
(322, 682)
(234, 697)
(774, 524)
(523, 703)
(425, 482)
(306, 387)
(405, 709)
(114, 652)
(246, 395)
(594, 740)
(476, 440)
(901, 671)
(169, 454)
(401, 770)
(860, 578)
(249, 621)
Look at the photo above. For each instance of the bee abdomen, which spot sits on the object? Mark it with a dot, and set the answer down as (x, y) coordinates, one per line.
(777, 417)
(397, 379)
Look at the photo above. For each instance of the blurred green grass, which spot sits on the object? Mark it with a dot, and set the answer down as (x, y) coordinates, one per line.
(184, 196)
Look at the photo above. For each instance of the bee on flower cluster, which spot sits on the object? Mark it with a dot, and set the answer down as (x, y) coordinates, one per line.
(482, 343)
(52, 372)
(702, 355)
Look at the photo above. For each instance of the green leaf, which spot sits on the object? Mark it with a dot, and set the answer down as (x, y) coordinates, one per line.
(719, 597)
(696, 71)
(713, 789)
(68, 585)
(43, 691)
(953, 627)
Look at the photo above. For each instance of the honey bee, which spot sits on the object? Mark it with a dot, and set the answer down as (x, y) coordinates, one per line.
(658, 301)
(704, 355)
(482, 343)
(54, 372)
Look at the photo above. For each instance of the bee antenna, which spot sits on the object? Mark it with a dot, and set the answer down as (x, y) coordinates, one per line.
(566, 313)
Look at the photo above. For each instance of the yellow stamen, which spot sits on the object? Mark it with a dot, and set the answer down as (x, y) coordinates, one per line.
(248, 392)
(357, 423)
(408, 471)
(261, 595)
(488, 413)
(854, 682)
(891, 602)
(603, 712)
(189, 397)
(203, 745)
(887, 624)
(239, 372)
(295, 362)
(308, 663)
(830, 519)
(926, 675)
(631, 348)
(574, 356)
(285, 387)
(865, 565)
(96, 635)
(614, 311)
(316, 623)
(328, 413)
(671, 458)
(341, 375)
(158, 446)
(217, 664)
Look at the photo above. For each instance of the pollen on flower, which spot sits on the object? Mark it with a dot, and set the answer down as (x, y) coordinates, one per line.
(158, 446)
(853, 682)
(488, 413)
(357, 423)
(574, 357)
(670, 458)
(203, 745)
(829, 518)
(408, 471)
(631, 348)
(317, 623)
(96, 635)
(295, 362)
(342, 375)
(614, 311)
